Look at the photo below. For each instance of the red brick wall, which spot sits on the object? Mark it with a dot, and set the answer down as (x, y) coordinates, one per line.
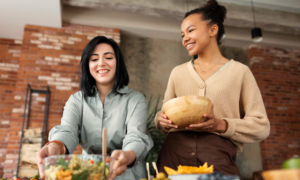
(9, 63)
(49, 56)
(277, 72)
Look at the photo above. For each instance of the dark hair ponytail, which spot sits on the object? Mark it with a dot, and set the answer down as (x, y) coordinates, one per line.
(214, 14)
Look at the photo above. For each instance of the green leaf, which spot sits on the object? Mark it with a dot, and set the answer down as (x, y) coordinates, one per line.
(36, 177)
(76, 167)
(157, 136)
(63, 163)
(81, 176)
(103, 173)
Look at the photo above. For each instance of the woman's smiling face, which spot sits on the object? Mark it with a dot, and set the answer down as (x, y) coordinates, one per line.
(195, 34)
(102, 65)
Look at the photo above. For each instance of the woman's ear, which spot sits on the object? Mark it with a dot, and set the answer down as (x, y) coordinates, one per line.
(214, 30)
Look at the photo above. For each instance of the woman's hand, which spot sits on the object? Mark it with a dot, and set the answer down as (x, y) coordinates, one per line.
(165, 122)
(48, 150)
(211, 125)
(123, 159)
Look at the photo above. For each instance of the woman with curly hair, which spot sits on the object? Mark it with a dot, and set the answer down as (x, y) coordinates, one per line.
(238, 115)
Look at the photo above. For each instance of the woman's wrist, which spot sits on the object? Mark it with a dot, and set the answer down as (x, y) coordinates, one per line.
(131, 156)
(61, 146)
(221, 126)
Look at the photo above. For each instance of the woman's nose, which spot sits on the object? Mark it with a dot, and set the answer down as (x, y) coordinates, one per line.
(101, 62)
(185, 39)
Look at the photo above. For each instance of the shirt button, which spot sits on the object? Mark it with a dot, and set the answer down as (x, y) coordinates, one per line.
(138, 162)
(193, 154)
(202, 85)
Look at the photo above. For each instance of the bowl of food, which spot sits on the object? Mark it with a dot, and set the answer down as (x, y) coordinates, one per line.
(187, 110)
(188, 172)
(77, 167)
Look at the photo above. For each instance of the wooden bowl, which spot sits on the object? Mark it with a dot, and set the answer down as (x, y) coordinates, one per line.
(279, 174)
(187, 110)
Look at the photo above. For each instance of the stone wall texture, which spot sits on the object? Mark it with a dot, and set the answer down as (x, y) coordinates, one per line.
(150, 61)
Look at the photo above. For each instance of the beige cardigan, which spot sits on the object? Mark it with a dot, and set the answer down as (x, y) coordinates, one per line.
(234, 94)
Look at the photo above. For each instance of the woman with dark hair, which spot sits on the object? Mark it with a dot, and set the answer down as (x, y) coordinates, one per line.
(238, 115)
(104, 101)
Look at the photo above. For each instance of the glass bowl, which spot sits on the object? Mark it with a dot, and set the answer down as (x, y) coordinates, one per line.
(77, 167)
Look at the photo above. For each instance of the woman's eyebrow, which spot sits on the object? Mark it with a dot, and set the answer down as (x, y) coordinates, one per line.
(109, 53)
(188, 27)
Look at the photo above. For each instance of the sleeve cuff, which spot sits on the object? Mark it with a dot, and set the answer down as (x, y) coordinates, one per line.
(231, 125)
(66, 139)
(138, 149)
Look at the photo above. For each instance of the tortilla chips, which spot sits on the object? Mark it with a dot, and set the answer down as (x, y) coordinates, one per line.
(190, 170)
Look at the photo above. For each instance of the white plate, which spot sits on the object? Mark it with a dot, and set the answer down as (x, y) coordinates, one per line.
(184, 176)
(196, 176)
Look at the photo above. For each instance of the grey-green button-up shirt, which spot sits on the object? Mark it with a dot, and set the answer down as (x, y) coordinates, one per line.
(124, 115)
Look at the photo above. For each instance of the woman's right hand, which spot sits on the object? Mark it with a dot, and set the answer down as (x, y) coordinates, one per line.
(48, 150)
(165, 122)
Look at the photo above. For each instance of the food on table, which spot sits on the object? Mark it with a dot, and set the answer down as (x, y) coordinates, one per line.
(190, 170)
(159, 176)
(218, 176)
(77, 169)
(281, 174)
(36, 177)
(292, 163)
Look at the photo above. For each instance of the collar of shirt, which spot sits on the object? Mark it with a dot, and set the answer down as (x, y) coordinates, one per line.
(123, 90)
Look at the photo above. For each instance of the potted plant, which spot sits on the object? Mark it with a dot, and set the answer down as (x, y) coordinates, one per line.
(157, 136)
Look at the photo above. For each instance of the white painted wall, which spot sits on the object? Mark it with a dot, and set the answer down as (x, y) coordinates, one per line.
(14, 14)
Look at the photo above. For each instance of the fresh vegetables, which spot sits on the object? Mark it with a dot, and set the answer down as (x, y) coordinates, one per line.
(77, 169)
(159, 176)
(36, 177)
(292, 163)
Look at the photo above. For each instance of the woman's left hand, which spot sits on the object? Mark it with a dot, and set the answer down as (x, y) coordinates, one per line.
(123, 159)
(210, 125)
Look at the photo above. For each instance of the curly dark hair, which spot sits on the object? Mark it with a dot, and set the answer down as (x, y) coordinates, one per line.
(214, 14)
